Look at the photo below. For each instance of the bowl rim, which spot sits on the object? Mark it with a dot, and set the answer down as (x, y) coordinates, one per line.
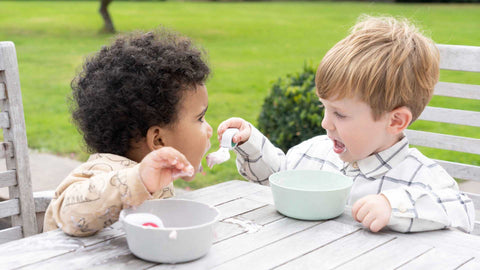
(276, 184)
(123, 215)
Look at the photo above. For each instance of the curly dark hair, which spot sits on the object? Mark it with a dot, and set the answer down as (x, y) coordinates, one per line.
(133, 84)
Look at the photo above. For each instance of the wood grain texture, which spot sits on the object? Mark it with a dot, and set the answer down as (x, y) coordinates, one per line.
(338, 252)
(436, 259)
(458, 57)
(460, 170)
(10, 234)
(16, 133)
(457, 90)
(9, 208)
(442, 141)
(8, 178)
(393, 254)
(291, 247)
(451, 116)
(47, 245)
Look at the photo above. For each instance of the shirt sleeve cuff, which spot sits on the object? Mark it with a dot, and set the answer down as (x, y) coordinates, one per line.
(402, 207)
(135, 192)
(252, 147)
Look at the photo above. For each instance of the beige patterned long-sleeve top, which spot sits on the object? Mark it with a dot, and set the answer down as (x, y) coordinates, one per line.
(91, 197)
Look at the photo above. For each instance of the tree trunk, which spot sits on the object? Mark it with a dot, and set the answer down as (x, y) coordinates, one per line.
(108, 24)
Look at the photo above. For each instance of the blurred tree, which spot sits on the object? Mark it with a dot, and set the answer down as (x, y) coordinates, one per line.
(108, 24)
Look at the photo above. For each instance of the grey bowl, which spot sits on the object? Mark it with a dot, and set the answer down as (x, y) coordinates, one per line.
(187, 234)
(310, 194)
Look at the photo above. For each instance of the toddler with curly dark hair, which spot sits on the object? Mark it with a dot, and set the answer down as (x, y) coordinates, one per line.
(140, 104)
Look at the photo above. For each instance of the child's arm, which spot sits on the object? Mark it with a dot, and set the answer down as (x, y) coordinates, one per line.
(418, 209)
(257, 157)
(420, 206)
(87, 201)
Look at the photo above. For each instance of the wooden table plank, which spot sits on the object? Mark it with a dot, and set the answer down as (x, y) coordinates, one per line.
(223, 192)
(290, 247)
(338, 252)
(252, 234)
(454, 241)
(248, 222)
(264, 195)
(237, 207)
(245, 243)
(438, 260)
(471, 265)
(389, 256)
(121, 251)
(264, 215)
(46, 245)
(113, 252)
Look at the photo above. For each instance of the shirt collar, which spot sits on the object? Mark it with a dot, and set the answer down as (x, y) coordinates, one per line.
(379, 163)
(112, 158)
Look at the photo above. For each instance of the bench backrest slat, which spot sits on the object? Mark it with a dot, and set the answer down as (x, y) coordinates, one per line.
(8, 178)
(451, 116)
(9, 208)
(20, 207)
(458, 90)
(460, 170)
(446, 142)
(458, 57)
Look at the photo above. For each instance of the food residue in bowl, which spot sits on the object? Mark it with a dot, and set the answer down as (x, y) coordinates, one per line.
(145, 220)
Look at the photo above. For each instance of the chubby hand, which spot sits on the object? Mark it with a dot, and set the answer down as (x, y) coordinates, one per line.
(242, 136)
(160, 167)
(373, 211)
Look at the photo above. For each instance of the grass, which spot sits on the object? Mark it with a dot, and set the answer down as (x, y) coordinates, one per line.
(249, 46)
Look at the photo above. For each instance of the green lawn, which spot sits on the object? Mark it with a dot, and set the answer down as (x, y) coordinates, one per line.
(249, 46)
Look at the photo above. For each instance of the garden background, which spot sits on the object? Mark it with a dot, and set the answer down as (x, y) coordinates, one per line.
(249, 44)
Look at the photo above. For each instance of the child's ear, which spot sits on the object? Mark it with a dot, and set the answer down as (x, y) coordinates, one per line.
(155, 137)
(400, 119)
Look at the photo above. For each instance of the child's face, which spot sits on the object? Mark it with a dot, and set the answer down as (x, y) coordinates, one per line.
(355, 134)
(191, 133)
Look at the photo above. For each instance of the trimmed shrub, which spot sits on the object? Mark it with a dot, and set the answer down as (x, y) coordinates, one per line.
(292, 113)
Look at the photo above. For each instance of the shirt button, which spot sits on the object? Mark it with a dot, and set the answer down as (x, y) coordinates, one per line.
(355, 165)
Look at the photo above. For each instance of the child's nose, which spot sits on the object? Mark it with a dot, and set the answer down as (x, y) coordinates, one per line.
(209, 130)
(326, 123)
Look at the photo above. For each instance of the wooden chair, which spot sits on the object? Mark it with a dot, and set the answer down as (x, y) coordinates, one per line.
(14, 150)
(465, 59)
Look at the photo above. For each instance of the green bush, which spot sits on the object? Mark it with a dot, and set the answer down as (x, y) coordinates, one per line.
(292, 113)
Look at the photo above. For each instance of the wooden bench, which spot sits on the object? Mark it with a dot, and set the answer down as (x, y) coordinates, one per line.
(465, 59)
(21, 207)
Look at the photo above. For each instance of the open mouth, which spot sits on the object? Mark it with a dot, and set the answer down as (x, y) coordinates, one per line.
(338, 147)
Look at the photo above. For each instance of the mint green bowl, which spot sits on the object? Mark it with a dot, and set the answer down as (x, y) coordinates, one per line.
(310, 194)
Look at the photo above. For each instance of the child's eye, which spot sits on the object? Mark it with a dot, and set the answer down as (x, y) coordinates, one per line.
(338, 115)
(202, 118)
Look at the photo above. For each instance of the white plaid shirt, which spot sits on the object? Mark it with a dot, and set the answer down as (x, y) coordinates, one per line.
(422, 194)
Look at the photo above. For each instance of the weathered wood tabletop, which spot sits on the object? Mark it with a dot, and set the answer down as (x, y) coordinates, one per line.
(253, 235)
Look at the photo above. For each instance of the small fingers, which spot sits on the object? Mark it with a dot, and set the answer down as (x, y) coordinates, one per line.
(377, 225)
(362, 213)
(241, 136)
(234, 122)
(368, 219)
(356, 207)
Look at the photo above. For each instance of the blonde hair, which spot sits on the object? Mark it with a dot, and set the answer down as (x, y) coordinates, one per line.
(385, 62)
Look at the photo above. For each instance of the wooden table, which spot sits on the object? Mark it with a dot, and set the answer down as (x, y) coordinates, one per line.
(252, 235)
